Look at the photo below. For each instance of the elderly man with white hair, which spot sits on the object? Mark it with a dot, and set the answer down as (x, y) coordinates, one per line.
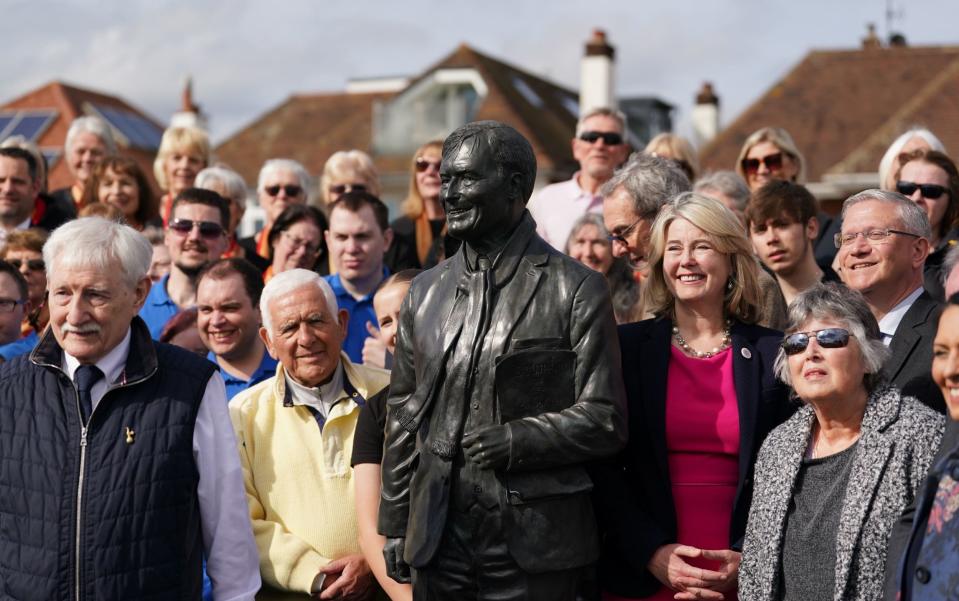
(295, 437)
(281, 183)
(119, 469)
(89, 141)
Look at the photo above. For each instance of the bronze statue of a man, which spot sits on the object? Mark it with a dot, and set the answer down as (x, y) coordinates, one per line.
(506, 381)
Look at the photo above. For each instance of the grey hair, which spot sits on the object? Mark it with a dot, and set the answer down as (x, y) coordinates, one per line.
(848, 307)
(286, 282)
(228, 178)
(93, 125)
(949, 263)
(651, 181)
(885, 164)
(100, 244)
(727, 183)
(913, 217)
(595, 219)
(284, 165)
(605, 111)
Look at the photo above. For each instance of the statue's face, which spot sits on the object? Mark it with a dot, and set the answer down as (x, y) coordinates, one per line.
(476, 194)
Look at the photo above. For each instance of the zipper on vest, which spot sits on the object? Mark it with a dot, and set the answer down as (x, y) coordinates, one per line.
(83, 461)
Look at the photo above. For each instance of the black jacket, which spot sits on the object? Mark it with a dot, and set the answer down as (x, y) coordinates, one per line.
(908, 369)
(114, 514)
(547, 303)
(633, 494)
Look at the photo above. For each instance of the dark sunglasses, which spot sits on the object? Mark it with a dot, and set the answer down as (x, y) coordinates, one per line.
(771, 161)
(930, 191)
(290, 189)
(794, 344)
(422, 165)
(32, 264)
(208, 229)
(344, 188)
(610, 138)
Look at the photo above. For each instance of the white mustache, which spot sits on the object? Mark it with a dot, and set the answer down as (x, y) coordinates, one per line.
(90, 328)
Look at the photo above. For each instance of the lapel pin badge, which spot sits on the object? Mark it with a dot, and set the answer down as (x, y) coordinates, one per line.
(747, 354)
(130, 435)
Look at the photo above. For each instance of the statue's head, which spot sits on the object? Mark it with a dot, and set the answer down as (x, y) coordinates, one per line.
(487, 175)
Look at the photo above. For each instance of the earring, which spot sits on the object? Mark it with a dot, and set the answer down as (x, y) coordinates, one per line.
(729, 284)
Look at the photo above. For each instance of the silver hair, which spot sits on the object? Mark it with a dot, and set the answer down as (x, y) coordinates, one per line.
(228, 178)
(615, 114)
(100, 244)
(848, 307)
(284, 164)
(651, 181)
(727, 183)
(949, 262)
(286, 282)
(93, 125)
(594, 219)
(913, 217)
(885, 164)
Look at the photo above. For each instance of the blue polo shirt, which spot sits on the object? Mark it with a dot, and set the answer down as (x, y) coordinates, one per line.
(20, 346)
(235, 385)
(158, 308)
(361, 311)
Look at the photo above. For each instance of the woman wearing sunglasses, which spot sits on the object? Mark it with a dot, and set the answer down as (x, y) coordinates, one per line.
(419, 232)
(702, 396)
(832, 481)
(346, 171)
(930, 179)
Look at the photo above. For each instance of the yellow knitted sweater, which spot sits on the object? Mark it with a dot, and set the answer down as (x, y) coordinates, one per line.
(299, 483)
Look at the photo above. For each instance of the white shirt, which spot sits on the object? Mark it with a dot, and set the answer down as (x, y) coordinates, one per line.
(890, 321)
(321, 398)
(232, 560)
(4, 233)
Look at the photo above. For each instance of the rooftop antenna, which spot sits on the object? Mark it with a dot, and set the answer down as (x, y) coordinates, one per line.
(893, 13)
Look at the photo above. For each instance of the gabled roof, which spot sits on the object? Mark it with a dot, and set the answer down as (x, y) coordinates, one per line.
(310, 127)
(844, 107)
(139, 132)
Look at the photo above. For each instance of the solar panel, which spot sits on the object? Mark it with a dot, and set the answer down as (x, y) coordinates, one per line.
(31, 125)
(52, 156)
(140, 132)
(5, 122)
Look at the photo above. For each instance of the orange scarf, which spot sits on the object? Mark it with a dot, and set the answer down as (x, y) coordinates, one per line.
(424, 237)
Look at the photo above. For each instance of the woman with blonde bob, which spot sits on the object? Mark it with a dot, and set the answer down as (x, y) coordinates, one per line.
(770, 153)
(702, 396)
(183, 153)
(677, 149)
(346, 171)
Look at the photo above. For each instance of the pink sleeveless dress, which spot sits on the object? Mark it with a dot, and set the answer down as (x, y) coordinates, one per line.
(702, 440)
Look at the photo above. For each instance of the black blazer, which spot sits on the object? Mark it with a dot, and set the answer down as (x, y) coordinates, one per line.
(908, 369)
(633, 496)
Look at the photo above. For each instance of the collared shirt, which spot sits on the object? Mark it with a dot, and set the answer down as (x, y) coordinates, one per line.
(235, 384)
(225, 521)
(158, 308)
(322, 397)
(557, 206)
(890, 321)
(361, 311)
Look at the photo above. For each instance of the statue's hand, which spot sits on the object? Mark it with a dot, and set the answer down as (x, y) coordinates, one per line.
(488, 447)
(396, 568)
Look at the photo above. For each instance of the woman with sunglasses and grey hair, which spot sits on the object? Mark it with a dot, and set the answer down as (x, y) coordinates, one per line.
(833, 479)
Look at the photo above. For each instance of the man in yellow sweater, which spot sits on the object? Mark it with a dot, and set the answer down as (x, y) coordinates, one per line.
(295, 436)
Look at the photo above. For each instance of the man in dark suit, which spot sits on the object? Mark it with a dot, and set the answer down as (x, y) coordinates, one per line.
(506, 380)
(882, 248)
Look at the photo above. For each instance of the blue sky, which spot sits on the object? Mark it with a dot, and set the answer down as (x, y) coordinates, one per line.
(247, 56)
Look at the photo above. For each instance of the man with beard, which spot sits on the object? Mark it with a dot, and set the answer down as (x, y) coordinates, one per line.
(195, 236)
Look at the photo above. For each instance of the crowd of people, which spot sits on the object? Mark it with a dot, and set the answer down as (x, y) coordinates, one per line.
(789, 379)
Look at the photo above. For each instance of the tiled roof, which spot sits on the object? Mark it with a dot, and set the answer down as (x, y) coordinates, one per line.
(845, 107)
(69, 102)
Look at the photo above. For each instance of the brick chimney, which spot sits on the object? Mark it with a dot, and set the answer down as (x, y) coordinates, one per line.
(597, 76)
(705, 115)
(871, 41)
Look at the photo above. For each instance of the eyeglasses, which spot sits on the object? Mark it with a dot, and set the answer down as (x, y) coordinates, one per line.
(609, 138)
(422, 165)
(620, 238)
(344, 188)
(794, 344)
(874, 237)
(773, 162)
(7, 305)
(290, 189)
(32, 264)
(930, 191)
(208, 229)
(296, 243)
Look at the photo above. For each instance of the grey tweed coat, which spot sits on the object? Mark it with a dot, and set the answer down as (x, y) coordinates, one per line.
(898, 439)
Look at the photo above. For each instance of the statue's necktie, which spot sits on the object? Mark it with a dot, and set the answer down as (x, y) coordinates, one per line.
(85, 377)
